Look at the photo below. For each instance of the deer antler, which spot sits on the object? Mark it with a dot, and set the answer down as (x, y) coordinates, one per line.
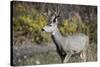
(58, 11)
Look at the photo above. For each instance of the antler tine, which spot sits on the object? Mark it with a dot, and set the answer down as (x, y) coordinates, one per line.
(53, 11)
(47, 13)
(44, 14)
(58, 11)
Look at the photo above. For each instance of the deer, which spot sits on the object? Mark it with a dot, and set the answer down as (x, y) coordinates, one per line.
(69, 45)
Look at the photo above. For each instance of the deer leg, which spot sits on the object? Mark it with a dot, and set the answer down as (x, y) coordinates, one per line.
(67, 57)
(62, 58)
(83, 55)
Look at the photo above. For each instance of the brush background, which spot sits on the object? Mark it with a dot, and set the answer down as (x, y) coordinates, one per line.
(5, 32)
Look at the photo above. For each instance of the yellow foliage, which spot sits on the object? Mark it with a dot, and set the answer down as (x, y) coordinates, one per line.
(31, 21)
(74, 26)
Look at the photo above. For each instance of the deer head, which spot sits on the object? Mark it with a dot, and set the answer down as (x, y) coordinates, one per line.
(52, 23)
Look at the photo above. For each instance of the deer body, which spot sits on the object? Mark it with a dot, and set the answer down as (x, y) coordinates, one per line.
(69, 45)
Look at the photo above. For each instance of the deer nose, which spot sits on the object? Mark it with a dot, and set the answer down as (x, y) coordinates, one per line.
(42, 29)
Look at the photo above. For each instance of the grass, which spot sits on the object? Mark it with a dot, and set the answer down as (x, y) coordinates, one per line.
(51, 57)
(40, 58)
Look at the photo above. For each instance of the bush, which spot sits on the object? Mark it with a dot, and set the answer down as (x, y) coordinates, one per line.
(73, 26)
(30, 21)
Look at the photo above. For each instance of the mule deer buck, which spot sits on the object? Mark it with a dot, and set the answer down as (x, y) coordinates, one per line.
(69, 45)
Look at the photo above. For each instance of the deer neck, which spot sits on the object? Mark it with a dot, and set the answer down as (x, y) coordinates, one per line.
(56, 33)
(57, 38)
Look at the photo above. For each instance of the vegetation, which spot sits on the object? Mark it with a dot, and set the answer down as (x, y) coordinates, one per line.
(28, 21)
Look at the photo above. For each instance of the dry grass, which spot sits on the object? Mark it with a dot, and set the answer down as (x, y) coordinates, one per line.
(51, 57)
(92, 52)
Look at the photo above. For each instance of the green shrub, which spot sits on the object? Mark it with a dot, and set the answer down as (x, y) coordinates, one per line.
(31, 21)
(73, 26)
